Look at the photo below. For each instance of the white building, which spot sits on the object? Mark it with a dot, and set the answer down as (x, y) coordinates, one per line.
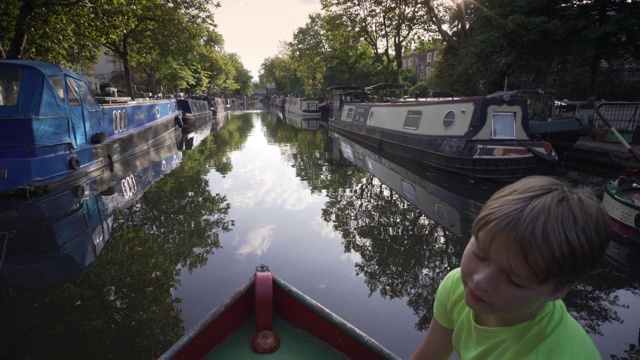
(107, 67)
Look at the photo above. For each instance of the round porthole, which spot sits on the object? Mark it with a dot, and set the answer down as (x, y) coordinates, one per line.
(115, 118)
(441, 212)
(449, 119)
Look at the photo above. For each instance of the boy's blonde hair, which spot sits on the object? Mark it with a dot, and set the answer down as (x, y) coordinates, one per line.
(562, 232)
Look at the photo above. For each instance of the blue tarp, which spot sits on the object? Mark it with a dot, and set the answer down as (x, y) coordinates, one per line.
(43, 101)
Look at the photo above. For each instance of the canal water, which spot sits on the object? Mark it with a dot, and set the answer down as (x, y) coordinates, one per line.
(367, 237)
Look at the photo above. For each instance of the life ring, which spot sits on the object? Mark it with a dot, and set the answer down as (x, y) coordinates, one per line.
(74, 163)
(108, 191)
(179, 121)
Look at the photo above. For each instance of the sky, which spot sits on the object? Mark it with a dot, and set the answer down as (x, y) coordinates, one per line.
(254, 29)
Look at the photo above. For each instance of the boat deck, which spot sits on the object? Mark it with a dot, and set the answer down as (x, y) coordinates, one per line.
(295, 344)
(600, 158)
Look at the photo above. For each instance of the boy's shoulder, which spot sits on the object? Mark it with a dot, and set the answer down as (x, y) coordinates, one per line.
(449, 305)
(553, 334)
(557, 334)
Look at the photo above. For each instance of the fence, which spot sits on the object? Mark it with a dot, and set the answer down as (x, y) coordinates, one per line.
(624, 116)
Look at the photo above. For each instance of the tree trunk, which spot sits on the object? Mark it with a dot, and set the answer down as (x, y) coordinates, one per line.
(594, 71)
(128, 76)
(126, 66)
(20, 32)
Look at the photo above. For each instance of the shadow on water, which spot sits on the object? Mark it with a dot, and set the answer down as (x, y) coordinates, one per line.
(89, 271)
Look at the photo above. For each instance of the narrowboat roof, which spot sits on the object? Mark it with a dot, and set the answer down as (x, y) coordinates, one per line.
(521, 92)
(344, 87)
(43, 67)
(385, 86)
(27, 89)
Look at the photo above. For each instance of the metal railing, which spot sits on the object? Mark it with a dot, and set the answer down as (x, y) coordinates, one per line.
(621, 115)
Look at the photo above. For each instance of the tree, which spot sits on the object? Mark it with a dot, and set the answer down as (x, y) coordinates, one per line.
(127, 23)
(532, 42)
(385, 25)
(59, 31)
(308, 51)
(241, 81)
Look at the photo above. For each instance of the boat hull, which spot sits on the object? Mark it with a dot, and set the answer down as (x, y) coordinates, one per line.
(195, 114)
(302, 323)
(455, 135)
(303, 107)
(562, 134)
(622, 203)
(54, 131)
(58, 237)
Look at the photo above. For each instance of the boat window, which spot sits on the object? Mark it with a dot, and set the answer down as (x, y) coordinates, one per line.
(10, 80)
(58, 84)
(349, 113)
(503, 125)
(73, 92)
(412, 120)
(449, 119)
(87, 98)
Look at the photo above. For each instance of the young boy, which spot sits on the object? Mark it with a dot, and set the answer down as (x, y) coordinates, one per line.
(532, 241)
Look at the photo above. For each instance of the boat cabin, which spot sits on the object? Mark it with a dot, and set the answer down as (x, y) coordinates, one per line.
(44, 107)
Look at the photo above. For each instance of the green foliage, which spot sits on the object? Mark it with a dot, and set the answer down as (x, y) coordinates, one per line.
(582, 48)
(547, 43)
(158, 43)
(386, 26)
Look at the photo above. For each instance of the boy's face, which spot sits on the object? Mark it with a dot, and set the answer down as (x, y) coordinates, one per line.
(498, 285)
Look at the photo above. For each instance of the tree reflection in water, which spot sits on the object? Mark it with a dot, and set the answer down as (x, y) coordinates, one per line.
(405, 253)
(124, 308)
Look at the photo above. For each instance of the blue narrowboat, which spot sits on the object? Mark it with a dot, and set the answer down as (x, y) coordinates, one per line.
(58, 237)
(53, 130)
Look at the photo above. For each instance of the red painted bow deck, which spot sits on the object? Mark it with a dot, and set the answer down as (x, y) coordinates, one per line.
(269, 319)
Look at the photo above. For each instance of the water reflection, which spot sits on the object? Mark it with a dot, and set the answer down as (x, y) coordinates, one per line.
(148, 220)
(451, 201)
(304, 203)
(57, 237)
(410, 228)
(302, 122)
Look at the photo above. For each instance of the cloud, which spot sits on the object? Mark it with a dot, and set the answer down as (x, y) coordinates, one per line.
(258, 241)
(268, 188)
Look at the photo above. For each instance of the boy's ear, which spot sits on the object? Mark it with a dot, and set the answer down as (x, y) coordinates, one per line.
(561, 292)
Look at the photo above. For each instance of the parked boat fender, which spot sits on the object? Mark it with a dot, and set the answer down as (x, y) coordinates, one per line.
(98, 137)
(74, 163)
(179, 121)
(79, 191)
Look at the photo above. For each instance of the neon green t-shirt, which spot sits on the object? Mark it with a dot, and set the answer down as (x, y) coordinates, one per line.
(552, 334)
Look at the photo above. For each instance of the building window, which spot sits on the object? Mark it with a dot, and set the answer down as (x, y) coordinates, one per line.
(428, 72)
(410, 62)
(429, 57)
(435, 55)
